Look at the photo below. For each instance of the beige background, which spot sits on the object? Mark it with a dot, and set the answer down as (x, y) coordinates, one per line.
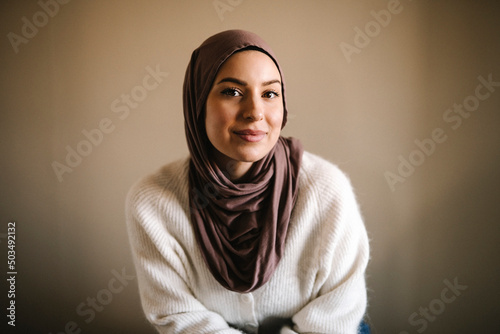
(442, 223)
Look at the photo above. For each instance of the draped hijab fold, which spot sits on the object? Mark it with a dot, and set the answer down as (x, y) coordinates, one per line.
(240, 227)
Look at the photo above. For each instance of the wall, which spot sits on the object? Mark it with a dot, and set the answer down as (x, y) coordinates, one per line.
(361, 100)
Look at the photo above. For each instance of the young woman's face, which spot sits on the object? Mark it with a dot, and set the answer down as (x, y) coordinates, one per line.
(244, 110)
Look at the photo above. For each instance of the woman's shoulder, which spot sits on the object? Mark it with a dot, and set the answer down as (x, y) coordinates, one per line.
(171, 180)
(320, 172)
(326, 195)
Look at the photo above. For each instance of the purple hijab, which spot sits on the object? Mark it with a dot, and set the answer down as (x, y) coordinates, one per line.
(240, 227)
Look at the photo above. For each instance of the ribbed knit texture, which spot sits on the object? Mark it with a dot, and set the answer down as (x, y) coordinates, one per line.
(319, 283)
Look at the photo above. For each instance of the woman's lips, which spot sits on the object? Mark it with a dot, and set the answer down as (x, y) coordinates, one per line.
(251, 135)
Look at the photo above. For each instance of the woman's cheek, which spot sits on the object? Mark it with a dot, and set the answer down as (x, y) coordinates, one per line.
(276, 120)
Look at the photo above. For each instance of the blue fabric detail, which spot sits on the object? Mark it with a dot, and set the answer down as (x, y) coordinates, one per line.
(363, 328)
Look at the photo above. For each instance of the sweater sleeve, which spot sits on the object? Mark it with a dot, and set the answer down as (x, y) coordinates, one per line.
(343, 254)
(161, 264)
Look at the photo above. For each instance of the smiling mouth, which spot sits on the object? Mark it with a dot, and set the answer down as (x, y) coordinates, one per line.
(251, 135)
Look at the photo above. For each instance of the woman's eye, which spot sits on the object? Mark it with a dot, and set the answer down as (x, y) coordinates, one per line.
(231, 92)
(271, 94)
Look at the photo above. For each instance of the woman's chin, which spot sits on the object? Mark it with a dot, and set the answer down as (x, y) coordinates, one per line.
(249, 157)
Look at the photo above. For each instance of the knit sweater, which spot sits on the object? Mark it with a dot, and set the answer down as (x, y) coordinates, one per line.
(318, 286)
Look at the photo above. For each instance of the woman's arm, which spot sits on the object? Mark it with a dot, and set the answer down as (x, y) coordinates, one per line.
(341, 299)
(160, 263)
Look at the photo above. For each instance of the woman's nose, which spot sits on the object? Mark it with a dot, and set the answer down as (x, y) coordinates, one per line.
(253, 110)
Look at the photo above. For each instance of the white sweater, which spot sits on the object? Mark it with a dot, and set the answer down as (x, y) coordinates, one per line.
(319, 283)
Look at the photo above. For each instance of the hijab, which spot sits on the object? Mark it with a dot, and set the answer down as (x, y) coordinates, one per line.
(240, 228)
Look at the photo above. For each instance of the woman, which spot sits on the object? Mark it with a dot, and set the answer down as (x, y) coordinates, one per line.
(250, 233)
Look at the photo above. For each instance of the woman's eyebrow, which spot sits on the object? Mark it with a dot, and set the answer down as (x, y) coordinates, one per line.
(233, 80)
(244, 83)
(270, 82)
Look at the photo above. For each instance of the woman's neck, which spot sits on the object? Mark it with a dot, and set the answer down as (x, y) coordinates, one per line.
(234, 170)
